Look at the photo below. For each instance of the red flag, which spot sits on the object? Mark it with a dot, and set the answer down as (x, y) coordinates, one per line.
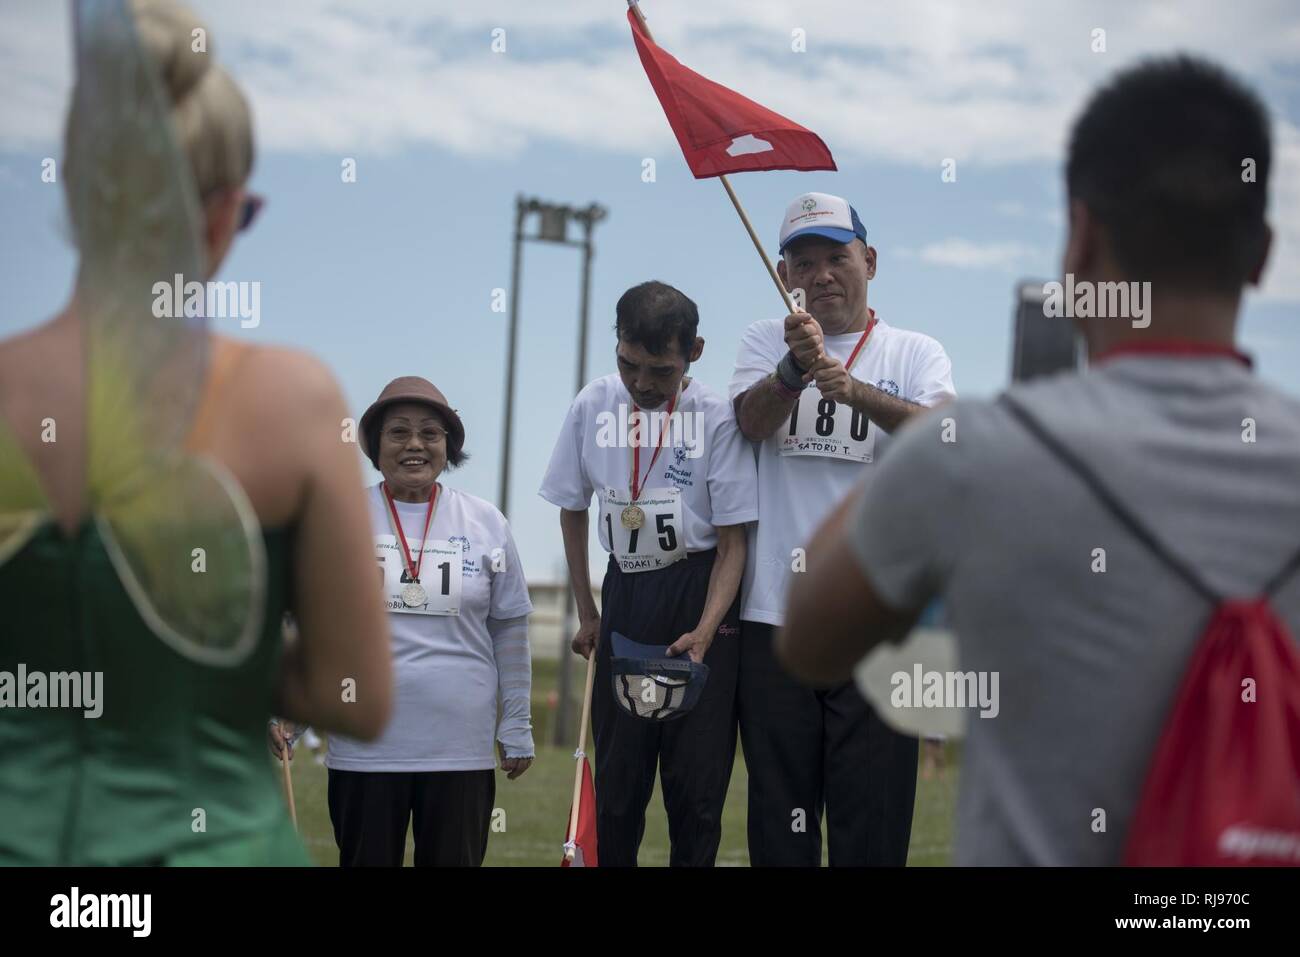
(719, 130)
(585, 843)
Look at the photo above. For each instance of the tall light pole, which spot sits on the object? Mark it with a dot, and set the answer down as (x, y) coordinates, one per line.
(516, 265)
(553, 228)
(553, 219)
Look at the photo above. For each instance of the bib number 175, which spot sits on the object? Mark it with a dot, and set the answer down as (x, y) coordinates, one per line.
(663, 528)
(658, 542)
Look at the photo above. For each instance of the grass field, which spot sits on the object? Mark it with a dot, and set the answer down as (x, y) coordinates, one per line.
(536, 806)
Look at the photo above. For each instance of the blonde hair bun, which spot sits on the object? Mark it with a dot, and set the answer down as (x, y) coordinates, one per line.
(212, 121)
(170, 32)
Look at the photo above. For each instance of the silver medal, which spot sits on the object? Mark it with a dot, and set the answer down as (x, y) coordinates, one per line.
(414, 595)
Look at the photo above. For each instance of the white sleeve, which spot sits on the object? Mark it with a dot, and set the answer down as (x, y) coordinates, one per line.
(931, 375)
(509, 585)
(757, 358)
(565, 483)
(733, 474)
(514, 685)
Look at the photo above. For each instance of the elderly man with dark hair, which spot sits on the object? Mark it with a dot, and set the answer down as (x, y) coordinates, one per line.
(675, 482)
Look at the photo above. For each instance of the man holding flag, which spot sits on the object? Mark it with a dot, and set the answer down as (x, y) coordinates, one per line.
(820, 391)
(863, 379)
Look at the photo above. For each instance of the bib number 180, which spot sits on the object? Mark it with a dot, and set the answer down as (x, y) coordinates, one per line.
(824, 423)
(828, 429)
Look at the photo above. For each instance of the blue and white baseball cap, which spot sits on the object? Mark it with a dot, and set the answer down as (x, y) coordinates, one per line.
(820, 214)
(649, 684)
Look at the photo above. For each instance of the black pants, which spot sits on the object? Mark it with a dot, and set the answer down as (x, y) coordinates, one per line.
(807, 749)
(452, 811)
(695, 752)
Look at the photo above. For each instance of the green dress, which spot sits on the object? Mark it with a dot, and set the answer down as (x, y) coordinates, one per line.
(175, 770)
(169, 589)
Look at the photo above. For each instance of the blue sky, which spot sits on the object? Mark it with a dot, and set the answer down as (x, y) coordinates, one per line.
(394, 274)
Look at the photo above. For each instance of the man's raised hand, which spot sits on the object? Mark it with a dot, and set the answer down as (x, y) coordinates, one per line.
(803, 334)
(833, 380)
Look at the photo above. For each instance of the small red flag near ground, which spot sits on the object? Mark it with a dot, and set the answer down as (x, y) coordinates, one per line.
(585, 841)
(719, 130)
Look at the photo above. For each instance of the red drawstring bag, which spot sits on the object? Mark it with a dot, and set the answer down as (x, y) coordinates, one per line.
(1224, 784)
(1223, 787)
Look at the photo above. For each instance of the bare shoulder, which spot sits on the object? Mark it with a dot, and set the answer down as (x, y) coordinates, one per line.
(290, 373)
(41, 370)
(290, 379)
(13, 347)
(19, 352)
(280, 419)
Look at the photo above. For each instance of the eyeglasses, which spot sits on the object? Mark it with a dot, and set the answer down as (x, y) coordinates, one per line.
(248, 210)
(401, 435)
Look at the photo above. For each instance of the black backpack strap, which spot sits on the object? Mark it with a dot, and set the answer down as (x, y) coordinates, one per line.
(1118, 509)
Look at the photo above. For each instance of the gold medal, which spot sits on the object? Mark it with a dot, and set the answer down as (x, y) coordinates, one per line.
(632, 517)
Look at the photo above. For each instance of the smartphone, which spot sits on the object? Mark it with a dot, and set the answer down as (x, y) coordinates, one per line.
(1041, 345)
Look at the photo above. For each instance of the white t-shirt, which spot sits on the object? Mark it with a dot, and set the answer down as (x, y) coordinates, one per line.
(445, 677)
(795, 492)
(704, 458)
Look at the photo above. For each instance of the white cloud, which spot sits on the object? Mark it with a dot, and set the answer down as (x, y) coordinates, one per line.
(965, 254)
(35, 73)
(914, 83)
(1017, 209)
(1282, 275)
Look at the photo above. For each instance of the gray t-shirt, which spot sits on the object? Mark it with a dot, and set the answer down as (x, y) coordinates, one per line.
(1088, 661)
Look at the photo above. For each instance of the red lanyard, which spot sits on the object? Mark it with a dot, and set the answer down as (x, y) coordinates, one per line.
(1175, 347)
(853, 356)
(412, 567)
(659, 446)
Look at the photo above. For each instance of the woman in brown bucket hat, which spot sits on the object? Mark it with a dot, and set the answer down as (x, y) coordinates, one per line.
(457, 602)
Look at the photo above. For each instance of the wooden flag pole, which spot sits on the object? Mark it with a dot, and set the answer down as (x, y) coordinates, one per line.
(771, 270)
(288, 787)
(570, 848)
(726, 184)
